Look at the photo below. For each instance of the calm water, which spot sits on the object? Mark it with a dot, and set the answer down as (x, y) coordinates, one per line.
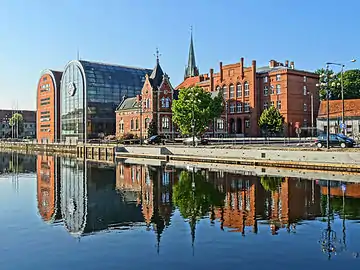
(59, 213)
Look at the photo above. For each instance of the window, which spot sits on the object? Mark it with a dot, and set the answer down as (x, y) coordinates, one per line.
(121, 126)
(265, 79)
(305, 90)
(238, 90)
(167, 103)
(147, 103)
(165, 123)
(278, 89)
(247, 123)
(225, 94)
(305, 79)
(220, 124)
(136, 124)
(278, 77)
(271, 89)
(272, 103)
(218, 88)
(305, 107)
(246, 89)
(232, 91)
(239, 107)
(266, 105)
(232, 108)
(305, 124)
(266, 90)
(132, 124)
(247, 107)
(278, 104)
(147, 123)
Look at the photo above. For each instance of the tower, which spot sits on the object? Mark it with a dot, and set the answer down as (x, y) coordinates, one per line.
(191, 70)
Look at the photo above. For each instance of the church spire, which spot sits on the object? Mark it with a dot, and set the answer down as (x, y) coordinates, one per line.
(191, 70)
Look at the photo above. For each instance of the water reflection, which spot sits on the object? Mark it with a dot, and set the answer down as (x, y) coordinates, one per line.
(89, 198)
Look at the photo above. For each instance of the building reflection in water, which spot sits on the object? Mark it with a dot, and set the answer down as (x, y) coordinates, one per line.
(90, 198)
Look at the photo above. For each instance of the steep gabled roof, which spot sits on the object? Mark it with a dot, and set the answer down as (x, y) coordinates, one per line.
(128, 104)
(156, 75)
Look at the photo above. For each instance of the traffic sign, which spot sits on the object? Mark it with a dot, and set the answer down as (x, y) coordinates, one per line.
(342, 125)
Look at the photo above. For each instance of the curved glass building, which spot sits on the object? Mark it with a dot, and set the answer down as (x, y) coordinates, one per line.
(90, 93)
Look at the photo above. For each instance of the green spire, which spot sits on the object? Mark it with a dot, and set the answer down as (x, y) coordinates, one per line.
(191, 70)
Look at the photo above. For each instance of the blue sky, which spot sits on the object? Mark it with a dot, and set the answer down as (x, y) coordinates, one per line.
(40, 34)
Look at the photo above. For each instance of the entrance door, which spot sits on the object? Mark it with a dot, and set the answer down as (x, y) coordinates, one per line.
(239, 126)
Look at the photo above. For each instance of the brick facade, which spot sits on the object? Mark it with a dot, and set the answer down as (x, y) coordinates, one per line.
(154, 104)
(48, 107)
(248, 90)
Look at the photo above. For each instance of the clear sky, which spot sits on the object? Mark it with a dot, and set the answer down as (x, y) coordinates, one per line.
(40, 34)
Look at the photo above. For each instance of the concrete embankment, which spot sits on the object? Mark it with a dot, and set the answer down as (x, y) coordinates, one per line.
(43, 148)
(284, 158)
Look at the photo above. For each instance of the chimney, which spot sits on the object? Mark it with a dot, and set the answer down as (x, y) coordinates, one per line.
(242, 67)
(286, 63)
(221, 72)
(211, 79)
(272, 63)
(292, 65)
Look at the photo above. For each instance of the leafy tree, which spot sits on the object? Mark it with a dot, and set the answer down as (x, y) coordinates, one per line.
(17, 122)
(195, 104)
(351, 82)
(152, 130)
(197, 200)
(323, 73)
(271, 121)
(270, 183)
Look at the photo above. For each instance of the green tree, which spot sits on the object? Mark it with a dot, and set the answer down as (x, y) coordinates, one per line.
(271, 121)
(351, 81)
(323, 73)
(17, 122)
(152, 130)
(196, 200)
(270, 183)
(198, 107)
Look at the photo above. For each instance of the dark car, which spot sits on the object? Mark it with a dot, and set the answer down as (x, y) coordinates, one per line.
(335, 140)
(156, 139)
(197, 141)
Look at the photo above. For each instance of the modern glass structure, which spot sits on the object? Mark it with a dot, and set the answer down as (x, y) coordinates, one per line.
(90, 93)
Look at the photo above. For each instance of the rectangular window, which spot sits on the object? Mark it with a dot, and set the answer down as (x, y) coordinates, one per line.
(271, 89)
(278, 104)
(239, 107)
(305, 107)
(265, 79)
(246, 90)
(232, 108)
(305, 90)
(305, 79)
(232, 91)
(278, 77)
(278, 89)
(220, 124)
(266, 90)
(247, 123)
(238, 90)
(247, 107)
(265, 105)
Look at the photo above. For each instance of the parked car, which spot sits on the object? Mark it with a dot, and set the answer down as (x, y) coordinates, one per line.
(334, 140)
(190, 141)
(156, 139)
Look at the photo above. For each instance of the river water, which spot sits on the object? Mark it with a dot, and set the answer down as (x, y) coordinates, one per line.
(62, 213)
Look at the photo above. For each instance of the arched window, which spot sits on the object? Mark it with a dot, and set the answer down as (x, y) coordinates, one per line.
(148, 103)
(225, 93)
(147, 122)
(136, 124)
(165, 123)
(132, 124)
(246, 89)
(238, 90)
(218, 88)
(232, 91)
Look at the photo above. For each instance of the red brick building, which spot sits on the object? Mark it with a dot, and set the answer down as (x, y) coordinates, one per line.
(134, 115)
(48, 107)
(248, 90)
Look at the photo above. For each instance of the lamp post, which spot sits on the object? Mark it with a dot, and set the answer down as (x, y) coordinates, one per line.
(312, 113)
(342, 91)
(141, 121)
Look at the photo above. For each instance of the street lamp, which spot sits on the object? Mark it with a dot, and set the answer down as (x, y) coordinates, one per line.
(312, 113)
(325, 84)
(342, 91)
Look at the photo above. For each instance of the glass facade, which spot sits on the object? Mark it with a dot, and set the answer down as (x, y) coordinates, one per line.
(99, 88)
